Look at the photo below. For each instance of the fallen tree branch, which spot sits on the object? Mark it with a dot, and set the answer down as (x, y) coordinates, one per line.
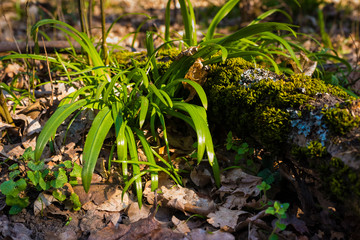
(50, 46)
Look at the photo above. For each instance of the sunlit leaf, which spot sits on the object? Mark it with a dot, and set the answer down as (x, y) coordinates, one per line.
(53, 123)
(93, 144)
(143, 110)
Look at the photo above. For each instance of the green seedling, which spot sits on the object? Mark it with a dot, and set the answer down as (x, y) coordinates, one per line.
(275, 208)
(264, 187)
(279, 211)
(243, 152)
(68, 221)
(41, 178)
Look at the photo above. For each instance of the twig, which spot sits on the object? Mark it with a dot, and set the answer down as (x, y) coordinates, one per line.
(48, 67)
(51, 46)
(103, 30)
(90, 13)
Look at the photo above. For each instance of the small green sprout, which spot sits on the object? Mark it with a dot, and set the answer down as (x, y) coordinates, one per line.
(264, 187)
(68, 221)
(279, 211)
(242, 150)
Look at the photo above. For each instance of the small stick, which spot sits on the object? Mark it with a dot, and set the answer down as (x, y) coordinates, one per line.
(48, 67)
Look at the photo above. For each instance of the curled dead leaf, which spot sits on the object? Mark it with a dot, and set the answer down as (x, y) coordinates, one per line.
(187, 200)
(225, 217)
(201, 176)
(237, 187)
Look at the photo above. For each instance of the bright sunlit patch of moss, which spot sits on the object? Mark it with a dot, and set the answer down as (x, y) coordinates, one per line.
(340, 121)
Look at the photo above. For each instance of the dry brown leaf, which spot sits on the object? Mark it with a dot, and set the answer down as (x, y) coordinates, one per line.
(148, 228)
(98, 193)
(184, 143)
(307, 66)
(201, 176)
(10, 230)
(64, 234)
(298, 224)
(196, 73)
(30, 142)
(135, 214)
(337, 235)
(32, 110)
(110, 232)
(92, 222)
(185, 199)
(31, 126)
(42, 202)
(181, 226)
(115, 203)
(225, 217)
(256, 233)
(72, 151)
(164, 180)
(234, 200)
(4, 126)
(236, 187)
(12, 150)
(178, 197)
(205, 235)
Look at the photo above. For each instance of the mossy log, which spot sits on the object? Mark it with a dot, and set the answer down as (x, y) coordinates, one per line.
(302, 119)
(298, 118)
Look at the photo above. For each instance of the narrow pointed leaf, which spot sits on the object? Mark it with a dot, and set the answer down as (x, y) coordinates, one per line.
(254, 29)
(150, 157)
(286, 45)
(198, 116)
(121, 143)
(268, 13)
(199, 90)
(219, 16)
(53, 123)
(136, 168)
(166, 96)
(143, 110)
(94, 141)
(199, 126)
(156, 91)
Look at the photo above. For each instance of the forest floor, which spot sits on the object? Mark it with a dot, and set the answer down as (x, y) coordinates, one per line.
(196, 210)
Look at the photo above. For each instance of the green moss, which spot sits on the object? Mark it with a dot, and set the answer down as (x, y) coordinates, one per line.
(261, 108)
(313, 155)
(339, 120)
(342, 182)
(316, 150)
(171, 53)
(124, 58)
(337, 179)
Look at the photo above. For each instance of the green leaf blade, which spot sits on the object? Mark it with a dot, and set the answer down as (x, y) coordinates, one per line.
(96, 136)
(219, 16)
(143, 110)
(53, 123)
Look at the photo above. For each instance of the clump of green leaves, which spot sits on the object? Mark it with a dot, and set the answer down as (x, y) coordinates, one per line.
(243, 151)
(276, 209)
(279, 211)
(264, 187)
(38, 176)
